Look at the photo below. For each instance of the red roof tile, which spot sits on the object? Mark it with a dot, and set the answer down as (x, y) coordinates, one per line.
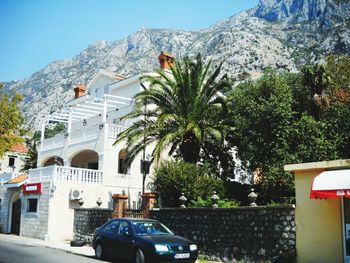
(19, 148)
(18, 179)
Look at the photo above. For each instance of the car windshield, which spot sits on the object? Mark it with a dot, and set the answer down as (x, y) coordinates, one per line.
(150, 228)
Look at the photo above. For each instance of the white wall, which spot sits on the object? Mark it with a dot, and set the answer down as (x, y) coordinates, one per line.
(61, 210)
(19, 162)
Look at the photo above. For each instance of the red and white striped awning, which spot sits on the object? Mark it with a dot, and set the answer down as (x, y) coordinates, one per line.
(330, 184)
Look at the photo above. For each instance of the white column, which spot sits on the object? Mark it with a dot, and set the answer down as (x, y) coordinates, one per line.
(66, 163)
(42, 136)
(69, 128)
(100, 161)
(104, 116)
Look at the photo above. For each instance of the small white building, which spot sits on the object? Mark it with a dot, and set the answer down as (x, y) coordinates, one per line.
(11, 178)
(81, 167)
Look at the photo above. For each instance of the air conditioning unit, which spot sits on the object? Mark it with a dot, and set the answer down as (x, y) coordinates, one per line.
(75, 194)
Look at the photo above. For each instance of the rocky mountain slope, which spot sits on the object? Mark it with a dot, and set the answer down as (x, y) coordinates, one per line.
(282, 34)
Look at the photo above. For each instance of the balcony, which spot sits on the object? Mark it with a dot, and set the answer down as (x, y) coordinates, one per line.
(64, 174)
(80, 136)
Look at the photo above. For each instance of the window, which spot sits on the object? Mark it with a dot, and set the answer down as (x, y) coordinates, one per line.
(124, 228)
(11, 161)
(122, 156)
(32, 205)
(112, 227)
(0, 203)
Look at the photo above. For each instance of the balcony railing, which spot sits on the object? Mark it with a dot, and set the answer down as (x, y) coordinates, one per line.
(55, 142)
(56, 173)
(81, 136)
(114, 130)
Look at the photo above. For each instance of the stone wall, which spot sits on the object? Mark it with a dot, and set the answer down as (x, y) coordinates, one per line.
(87, 220)
(246, 233)
(5, 196)
(35, 224)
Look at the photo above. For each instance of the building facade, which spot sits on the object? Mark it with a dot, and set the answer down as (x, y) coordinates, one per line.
(81, 167)
(322, 213)
(11, 179)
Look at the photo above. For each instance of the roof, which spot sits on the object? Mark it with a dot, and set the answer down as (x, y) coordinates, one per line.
(102, 72)
(19, 148)
(18, 179)
(336, 164)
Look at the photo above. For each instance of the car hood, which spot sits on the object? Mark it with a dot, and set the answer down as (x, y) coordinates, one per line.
(168, 239)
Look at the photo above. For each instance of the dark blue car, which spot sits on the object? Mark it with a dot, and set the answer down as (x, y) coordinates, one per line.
(142, 241)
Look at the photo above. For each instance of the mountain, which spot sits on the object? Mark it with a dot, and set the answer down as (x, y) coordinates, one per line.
(325, 11)
(282, 34)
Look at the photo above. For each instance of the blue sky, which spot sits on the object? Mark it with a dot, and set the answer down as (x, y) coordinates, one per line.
(34, 33)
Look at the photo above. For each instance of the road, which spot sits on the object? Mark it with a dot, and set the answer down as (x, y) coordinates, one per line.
(11, 252)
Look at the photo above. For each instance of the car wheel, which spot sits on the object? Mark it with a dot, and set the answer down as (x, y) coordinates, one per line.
(77, 243)
(99, 254)
(140, 256)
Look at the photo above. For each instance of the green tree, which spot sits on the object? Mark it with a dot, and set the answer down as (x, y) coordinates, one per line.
(31, 161)
(179, 111)
(262, 113)
(10, 120)
(50, 132)
(338, 74)
(291, 118)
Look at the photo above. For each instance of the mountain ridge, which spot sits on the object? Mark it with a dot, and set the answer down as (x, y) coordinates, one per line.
(248, 41)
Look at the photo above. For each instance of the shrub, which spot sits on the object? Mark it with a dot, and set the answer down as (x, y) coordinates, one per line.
(172, 178)
(222, 203)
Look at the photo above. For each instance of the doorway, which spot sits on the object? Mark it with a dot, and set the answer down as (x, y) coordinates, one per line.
(15, 215)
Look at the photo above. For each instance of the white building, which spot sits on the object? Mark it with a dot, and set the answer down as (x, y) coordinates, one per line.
(82, 167)
(10, 179)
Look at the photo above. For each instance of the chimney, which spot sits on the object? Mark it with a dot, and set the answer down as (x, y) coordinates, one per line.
(166, 60)
(79, 91)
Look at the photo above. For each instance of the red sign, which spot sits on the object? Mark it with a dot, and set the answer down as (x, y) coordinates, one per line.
(29, 189)
(329, 194)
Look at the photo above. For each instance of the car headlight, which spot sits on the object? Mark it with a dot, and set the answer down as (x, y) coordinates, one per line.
(161, 248)
(193, 247)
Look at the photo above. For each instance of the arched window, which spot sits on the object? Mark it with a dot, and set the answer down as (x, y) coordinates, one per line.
(122, 156)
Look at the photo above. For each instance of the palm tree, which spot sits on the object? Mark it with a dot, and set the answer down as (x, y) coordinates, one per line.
(178, 111)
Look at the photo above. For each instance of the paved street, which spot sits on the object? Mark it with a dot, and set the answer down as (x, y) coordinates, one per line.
(15, 249)
(11, 252)
(14, 252)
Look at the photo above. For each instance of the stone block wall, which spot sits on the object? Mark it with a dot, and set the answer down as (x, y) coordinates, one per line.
(87, 220)
(246, 233)
(35, 224)
(5, 196)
